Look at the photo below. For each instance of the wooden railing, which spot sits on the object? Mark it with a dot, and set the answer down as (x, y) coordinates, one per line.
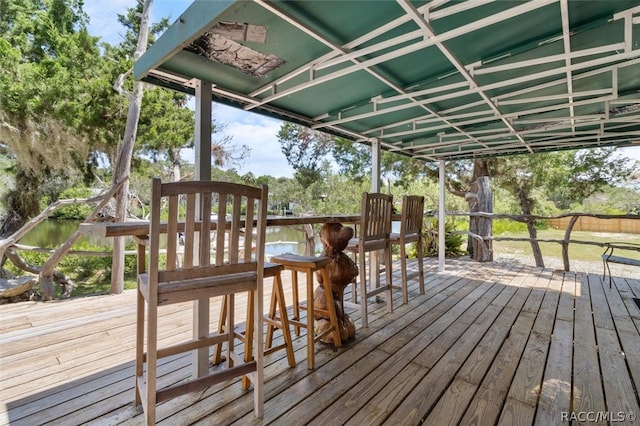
(533, 218)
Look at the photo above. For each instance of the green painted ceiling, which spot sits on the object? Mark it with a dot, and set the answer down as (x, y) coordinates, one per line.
(433, 80)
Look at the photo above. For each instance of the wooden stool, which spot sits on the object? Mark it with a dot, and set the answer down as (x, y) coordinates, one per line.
(281, 320)
(310, 264)
(273, 321)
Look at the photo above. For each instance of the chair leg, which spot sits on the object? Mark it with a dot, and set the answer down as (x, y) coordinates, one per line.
(420, 265)
(403, 266)
(230, 327)
(296, 300)
(139, 347)
(363, 292)
(277, 299)
(248, 336)
(152, 361)
(389, 280)
(272, 315)
(258, 353)
(311, 341)
(217, 352)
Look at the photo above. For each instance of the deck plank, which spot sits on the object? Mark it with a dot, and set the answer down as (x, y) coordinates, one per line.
(619, 390)
(393, 336)
(479, 346)
(587, 393)
(525, 390)
(488, 401)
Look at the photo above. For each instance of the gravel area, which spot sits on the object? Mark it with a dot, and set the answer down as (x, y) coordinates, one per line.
(617, 270)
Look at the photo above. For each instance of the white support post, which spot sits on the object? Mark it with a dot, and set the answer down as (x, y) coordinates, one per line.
(202, 172)
(375, 165)
(441, 218)
(374, 257)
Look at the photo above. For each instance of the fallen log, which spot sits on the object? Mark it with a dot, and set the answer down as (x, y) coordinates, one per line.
(16, 287)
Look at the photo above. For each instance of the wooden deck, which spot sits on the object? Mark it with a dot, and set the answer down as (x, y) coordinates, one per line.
(487, 344)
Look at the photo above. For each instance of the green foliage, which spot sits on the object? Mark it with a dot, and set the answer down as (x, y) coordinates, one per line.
(91, 274)
(563, 177)
(503, 226)
(75, 211)
(453, 242)
(305, 150)
(49, 60)
(624, 200)
(354, 161)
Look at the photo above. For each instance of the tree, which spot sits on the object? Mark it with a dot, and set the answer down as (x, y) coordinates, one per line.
(305, 150)
(354, 160)
(471, 180)
(585, 172)
(125, 153)
(50, 63)
(564, 176)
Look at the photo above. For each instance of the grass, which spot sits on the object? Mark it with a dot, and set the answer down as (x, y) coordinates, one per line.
(580, 252)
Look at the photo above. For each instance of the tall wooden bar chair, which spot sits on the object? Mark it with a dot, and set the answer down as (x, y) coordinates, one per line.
(410, 232)
(374, 231)
(230, 263)
(309, 265)
(276, 318)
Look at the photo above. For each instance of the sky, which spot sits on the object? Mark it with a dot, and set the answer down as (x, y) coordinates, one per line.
(256, 131)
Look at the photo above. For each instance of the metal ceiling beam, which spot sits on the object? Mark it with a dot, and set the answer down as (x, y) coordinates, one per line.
(629, 56)
(338, 49)
(381, 130)
(391, 25)
(515, 11)
(566, 40)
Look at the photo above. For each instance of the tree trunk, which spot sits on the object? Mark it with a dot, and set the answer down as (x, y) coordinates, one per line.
(525, 204)
(480, 200)
(125, 153)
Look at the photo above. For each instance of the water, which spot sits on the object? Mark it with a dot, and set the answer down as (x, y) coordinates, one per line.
(51, 233)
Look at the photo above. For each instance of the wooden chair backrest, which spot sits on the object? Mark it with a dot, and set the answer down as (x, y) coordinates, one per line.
(375, 219)
(412, 215)
(206, 231)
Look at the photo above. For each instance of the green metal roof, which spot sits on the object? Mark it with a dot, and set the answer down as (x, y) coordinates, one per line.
(433, 80)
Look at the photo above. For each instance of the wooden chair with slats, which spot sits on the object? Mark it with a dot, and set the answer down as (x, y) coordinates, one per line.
(232, 262)
(410, 232)
(374, 230)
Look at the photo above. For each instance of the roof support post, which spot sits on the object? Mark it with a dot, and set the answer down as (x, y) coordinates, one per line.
(375, 258)
(202, 142)
(202, 139)
(375, 165)
(441, 218)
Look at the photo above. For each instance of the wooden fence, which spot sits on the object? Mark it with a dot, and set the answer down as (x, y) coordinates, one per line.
(596, 224)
